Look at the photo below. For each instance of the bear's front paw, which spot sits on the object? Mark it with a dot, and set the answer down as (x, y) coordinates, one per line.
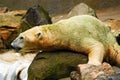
(94, 63)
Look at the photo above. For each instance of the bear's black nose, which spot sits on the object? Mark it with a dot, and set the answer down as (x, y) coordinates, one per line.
(15, 47)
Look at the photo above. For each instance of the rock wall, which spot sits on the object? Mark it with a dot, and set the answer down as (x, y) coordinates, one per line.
(58, 6)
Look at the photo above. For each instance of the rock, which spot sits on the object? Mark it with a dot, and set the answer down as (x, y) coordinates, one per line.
(115, 76)
(9, 24)
(54, 65)
(82, 9)
(11, 19)
(92, 72)
(37, 16)
(116, 69)
(74, 75)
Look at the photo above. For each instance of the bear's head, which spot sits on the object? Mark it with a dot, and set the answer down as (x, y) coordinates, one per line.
(29, 38)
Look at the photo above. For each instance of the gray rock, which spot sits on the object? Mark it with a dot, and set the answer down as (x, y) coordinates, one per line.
(82, 9)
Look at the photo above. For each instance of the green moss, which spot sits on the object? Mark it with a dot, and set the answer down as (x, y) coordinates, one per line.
(54, 65)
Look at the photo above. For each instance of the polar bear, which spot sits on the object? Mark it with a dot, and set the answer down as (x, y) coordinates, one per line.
(82, 33)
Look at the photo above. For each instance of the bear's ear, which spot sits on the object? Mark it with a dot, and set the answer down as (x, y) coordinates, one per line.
(39, 34)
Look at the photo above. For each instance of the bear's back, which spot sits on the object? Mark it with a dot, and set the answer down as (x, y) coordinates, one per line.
(84, 26)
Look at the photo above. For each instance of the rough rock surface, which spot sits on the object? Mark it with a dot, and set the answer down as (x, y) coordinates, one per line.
(82, 9)
(36, 15)
(115, 76)
(92, 72)
(54, 65)
(9, 24)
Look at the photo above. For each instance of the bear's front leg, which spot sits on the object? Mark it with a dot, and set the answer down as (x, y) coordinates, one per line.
(96, 54)
(95, 50)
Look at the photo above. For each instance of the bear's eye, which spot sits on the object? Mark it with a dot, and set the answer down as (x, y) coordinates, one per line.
(38, 34)
(21, 37)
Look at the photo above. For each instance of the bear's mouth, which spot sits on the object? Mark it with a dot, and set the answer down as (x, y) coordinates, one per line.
(15, 47)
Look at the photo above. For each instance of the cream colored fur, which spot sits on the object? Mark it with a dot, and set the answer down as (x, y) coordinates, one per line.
(80, 33)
